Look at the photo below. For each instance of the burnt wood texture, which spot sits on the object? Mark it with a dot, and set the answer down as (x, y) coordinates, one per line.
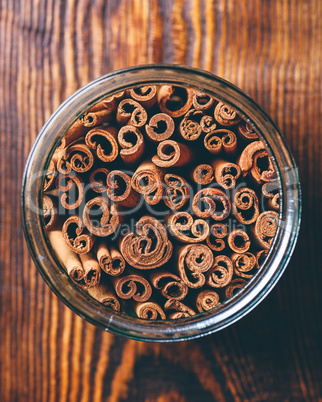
(270, 49)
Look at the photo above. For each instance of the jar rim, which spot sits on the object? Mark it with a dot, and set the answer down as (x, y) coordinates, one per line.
(118, 323)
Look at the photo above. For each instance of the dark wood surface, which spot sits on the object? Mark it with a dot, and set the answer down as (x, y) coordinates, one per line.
(270, 49)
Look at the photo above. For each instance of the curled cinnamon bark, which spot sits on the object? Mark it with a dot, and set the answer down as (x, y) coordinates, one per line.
(270, 190)
(244, 264)
(146, 95)
(72, 187)
(101, 217)
(149, 248)
(221, 272)
(130, 112)
(193, 261)
(207, 300)
(149, 311)
(147, 180)
(176, 192)
(133, 286)
(75, 131)
(110, 259)
(105, 295)
(92, 269)
(245, 206)
(68, 258)
(226, 115)
(181, 310)
(190, 127)
(103, 142)
(50, 211)
(112, 101)
(260, 258)
(92, 119)
(120, 190)
(172, 153)
(217, 140)
(76, 235)
(226, 173)
(238, 241)
(246, 131)
(132, 144)
(265, 228)
(233, 288)
(160, 127)
(207, 124)
(174, 100)
(256, 160)
(185, 229)
(216, 234)
(170, 285)
(98, 180)
(213, 142)
(203, 174)
(211, 202)
(50, 176)
(202, 101)
(76, 157)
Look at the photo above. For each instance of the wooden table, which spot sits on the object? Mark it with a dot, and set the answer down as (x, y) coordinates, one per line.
(270, 49)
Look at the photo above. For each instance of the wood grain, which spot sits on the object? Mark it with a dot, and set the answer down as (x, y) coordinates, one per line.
(270, 49)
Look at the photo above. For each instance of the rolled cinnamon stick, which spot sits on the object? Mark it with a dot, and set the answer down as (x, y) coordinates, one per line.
(175, 101)
(176, 192)
(133, 286)
(244, 264)
(98, 180)
(234, 286)
(246, 131)
(265, 229)
(203, 174)
(110, 259)
(270, 190)
(172, 153)
(130, 112)
(238, 241)
(245, 206)
(146, 95)
(92, 269)
(181, 310)
(50, 211)
(148, 180)
(221, 272)
(190, 127)
(149, 248)
(160, 127)
(260, 258)
(207, 300)
(207, 124)
(226, 115)
(149, 311)
(217, 232)
(104, 294)
(72, 187)
(194, 260)
(132, 144)
(170, 285)
(211, 202)
(103, 142)
(226, 173)
(76, 235)
(185, 229)
(101, 217)
(68, 258)
(77, 157)
(50, 176)
(120, 190)
(92, 119)
(202, 101)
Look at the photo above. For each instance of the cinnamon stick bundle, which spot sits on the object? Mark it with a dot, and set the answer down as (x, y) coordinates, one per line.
(161, 202)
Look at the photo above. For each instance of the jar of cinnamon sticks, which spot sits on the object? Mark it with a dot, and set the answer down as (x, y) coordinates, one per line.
(160, 203)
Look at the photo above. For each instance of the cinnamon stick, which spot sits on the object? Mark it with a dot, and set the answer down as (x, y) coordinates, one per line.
(194, 260)
(180, 310)
(260, 258)
(245, 206)
(104, 294)
(207, 124)
(103, 142)
(226, 173)
(176, 192)
(110, 259)
(172, 153)
(203, 174)
(146, 95)
(185, 229)
(149, 311)
(130, 112)
(92, 119)
(221, 272)
(98, 180)
(132, 286)
(217, 233)
(211, 202)
(190, 127)
(246, 131)
(76, 157)
(50, 176)
(174, 100)
(76, 235)
(68, 258)
(49, 206)
(202, 101)
(160, 127)
(244, 264)
(149, 248)
(207, 300)
(92, 269)
(147, 180)
(101, 217)
(120, 190)
(72, 187)
(170, 285)
(233, 288)
(265, 228)
(132, 144)
(238, 241)
(226, 115)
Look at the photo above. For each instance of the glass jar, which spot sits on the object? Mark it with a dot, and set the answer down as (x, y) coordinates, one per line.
(78, 300)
